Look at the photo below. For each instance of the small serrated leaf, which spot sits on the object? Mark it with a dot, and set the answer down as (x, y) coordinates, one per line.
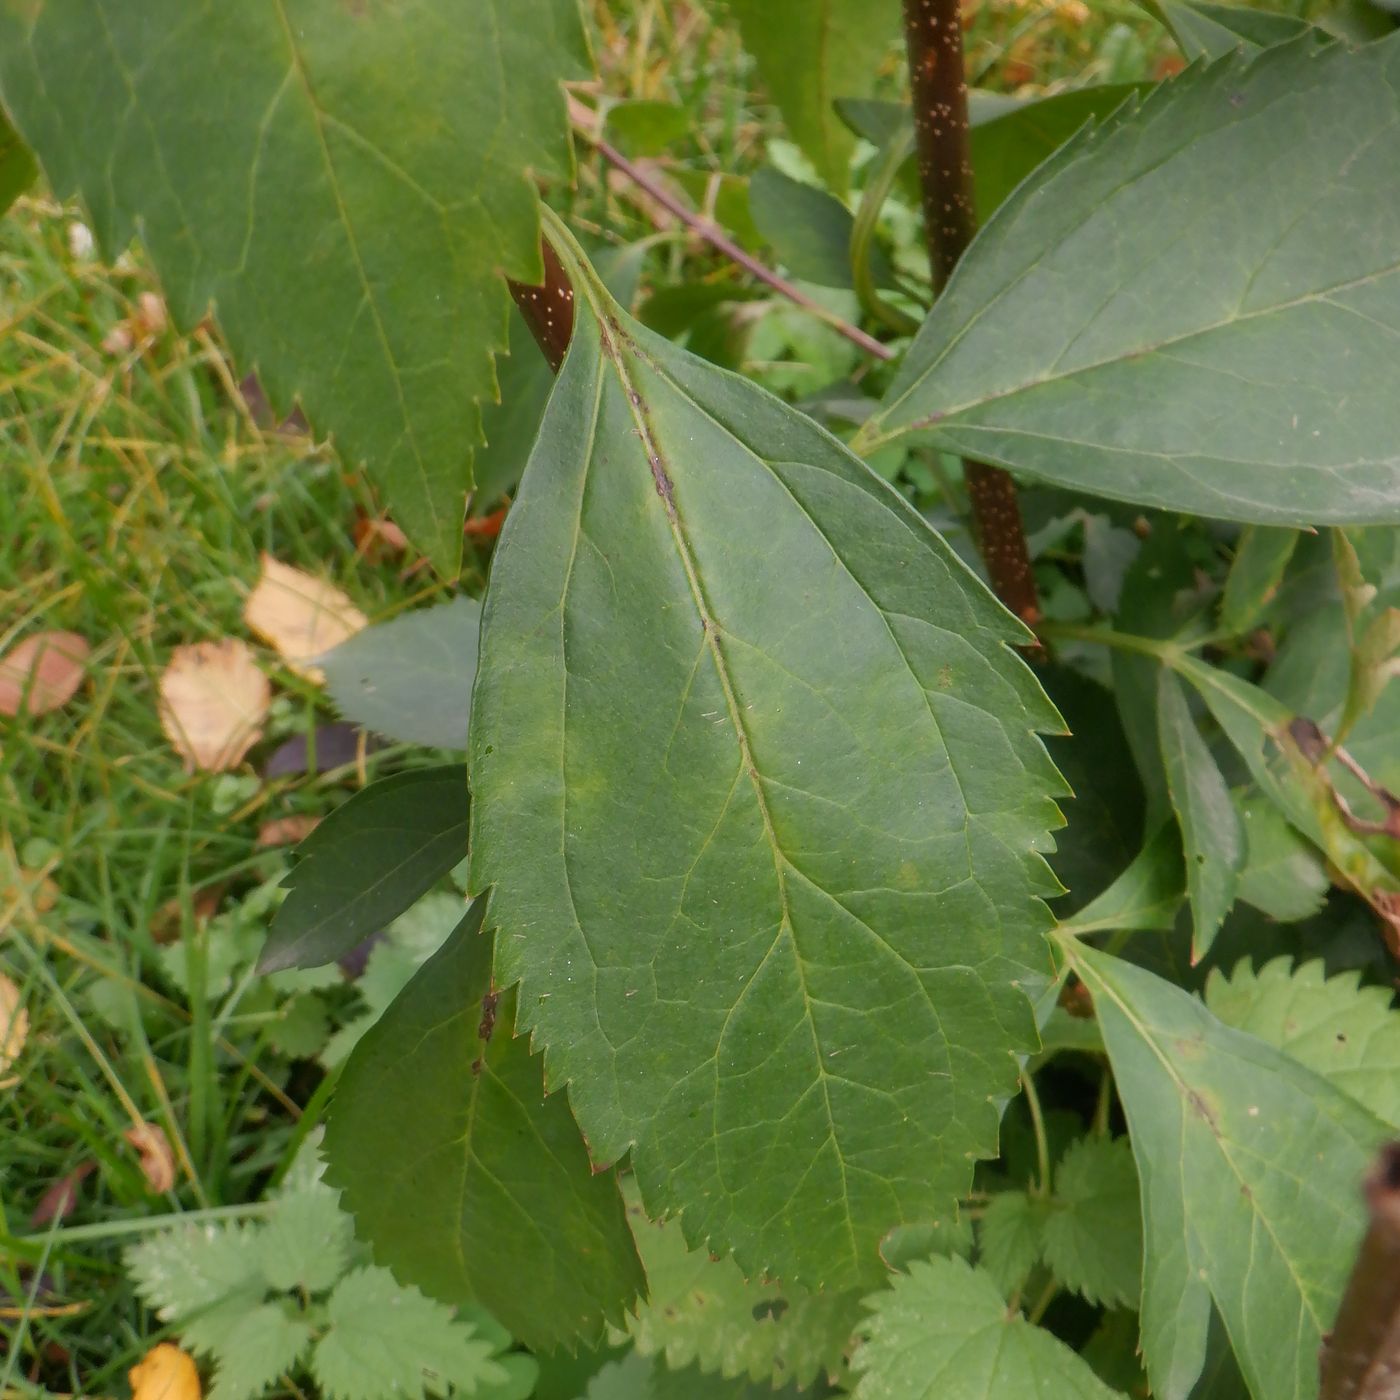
(1347, 1033)
(305, 1243)
(367, 862)
(263, 1344)
(944, 1330)
(1092, 1240)
(181, 1271)
(1008, 1237)
(388, 1339)
(1283, 875)
(703, 1312)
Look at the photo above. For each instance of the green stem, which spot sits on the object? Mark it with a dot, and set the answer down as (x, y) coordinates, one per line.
(1041, 1188)
(1049, 1293)
(883, 174)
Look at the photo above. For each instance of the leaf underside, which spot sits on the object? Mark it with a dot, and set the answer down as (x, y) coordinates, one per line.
(760, 801)
(1194, 306)
(264, 153)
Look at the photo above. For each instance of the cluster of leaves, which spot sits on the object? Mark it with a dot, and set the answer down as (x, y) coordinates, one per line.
(761, 814)
(292, 1294)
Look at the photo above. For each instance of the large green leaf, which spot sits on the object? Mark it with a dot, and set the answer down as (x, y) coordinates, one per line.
(344, 182)
(1250, 1167)
(944, 1331)
(453, 1161)
(761, 804)
(1205, 30)
(1194, 306)
(366, 863)
(808, 55)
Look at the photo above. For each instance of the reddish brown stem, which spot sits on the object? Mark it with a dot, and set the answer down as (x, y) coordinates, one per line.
(548, 309)
(933, 34)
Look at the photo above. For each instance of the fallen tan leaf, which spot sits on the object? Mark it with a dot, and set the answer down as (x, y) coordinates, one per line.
(151, 314)
(287, 831)
(377, 537)
(42, 672)
(14, 1023)
(300, 615)
(157, 1160)
(212, 701)
(58, 1201)
(165, 1373)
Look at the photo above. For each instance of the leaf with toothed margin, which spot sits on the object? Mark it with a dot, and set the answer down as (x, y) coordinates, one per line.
(1096, 336)
(1250, 1167)
(344, 182)
(759, 799)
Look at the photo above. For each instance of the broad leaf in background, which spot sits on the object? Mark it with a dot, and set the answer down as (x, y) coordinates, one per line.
(1095, 337)
(944, 1329)
(1205, 30)
(411, 678)
(809, 55)
(1347, 1033)
(702, 1311)
(17, 169)
(809, 230)
(268, 166)
(462, 1175)
(1249, 1166)
(760, 801)
(366, 863)
(1212, 835)
(1283, 875)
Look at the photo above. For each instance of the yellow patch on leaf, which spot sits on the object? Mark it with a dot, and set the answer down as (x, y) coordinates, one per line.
(299, 615)
(213, 699)
(165, 1373)
(42, 672)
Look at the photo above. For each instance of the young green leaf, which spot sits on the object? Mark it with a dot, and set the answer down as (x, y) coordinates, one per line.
(261, 1345)
(703, 1312)
(1347, 1033)
(1093, 337)
(1008, 1237)
(1212, 835)
(1146, 895)
(185, 1273)
(809, 230)
(1092, 1240)
(1261, 556)
(385, 1339)
(305, 1243)
(367, 862)
(944, 1329)
(809, 55)
(452, 1160)
(760, 801)
(1250, 1166)
(1283, 875)
(411, 678)
(268, 164)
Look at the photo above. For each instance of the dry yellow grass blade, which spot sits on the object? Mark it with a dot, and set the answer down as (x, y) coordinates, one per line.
(14, 1023)
(213, 699)
(302, 616)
